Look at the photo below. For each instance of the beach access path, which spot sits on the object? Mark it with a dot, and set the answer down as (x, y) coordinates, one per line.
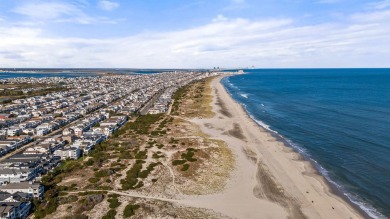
(270, 179)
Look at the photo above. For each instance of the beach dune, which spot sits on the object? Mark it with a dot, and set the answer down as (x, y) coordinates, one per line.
(270, 180)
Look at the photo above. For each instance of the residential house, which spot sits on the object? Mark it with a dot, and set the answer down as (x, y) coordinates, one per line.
(14, 131)
(68, 152)
(35, 190)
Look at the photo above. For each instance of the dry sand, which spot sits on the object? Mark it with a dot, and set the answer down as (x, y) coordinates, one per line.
(270, 180)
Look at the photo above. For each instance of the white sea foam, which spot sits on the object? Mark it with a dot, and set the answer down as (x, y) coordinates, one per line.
(366, 207)
(232, 85)
(262, 124)
(244, 95)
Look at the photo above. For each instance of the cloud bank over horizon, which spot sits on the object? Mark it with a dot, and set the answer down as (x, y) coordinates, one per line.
(229, 34)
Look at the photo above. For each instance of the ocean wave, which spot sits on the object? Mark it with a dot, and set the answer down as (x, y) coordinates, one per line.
(356, 200)
(262, 124)
(231, 85)
(366, 207)
(244, 95)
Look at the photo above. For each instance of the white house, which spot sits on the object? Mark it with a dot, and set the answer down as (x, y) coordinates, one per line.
(78, 131)
(68, 152)
(36, 190)
(13, 131)
(15, 175)
(42, 131)
(36, 150)
(67, 131)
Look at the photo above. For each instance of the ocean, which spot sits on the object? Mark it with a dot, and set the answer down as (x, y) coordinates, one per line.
(339, 119)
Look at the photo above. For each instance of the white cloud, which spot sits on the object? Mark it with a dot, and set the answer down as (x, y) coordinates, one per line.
(380, 5)
(40, 12)
(363, 42)
(108, 5)
(220, 17)
(376, 16)
(47, 10)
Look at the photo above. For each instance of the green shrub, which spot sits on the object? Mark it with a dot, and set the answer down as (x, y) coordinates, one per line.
(143, 123)
(48, 206)
(178, 162)
(144, 174)
(70, 165)
(89, 162)
(104, 188)
(102, 173)
(189, 155)
(93, 180)
(130, 210)
(141, 155)
(114, 203)
(113, 195)
(185, 167)
(131, 181)
(110, 214)
(76, 216)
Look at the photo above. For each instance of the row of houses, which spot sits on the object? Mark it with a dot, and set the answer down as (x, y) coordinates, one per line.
(94, 115)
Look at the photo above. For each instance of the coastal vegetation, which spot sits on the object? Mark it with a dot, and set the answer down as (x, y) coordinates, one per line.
(130, 210)
(157, 154)
(194, 101)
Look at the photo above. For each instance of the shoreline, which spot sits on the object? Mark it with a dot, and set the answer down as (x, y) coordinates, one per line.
(314, 172)
(314, 168)
(271, 179)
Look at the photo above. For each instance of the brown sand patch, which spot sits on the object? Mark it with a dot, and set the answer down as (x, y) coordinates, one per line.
(223, 109)
(236, 132)
(209, 125)
(268, 188)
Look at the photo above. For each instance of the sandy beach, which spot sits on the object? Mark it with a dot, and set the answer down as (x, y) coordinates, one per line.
(270, 180)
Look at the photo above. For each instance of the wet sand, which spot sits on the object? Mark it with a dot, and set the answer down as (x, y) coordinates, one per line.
(270, 180)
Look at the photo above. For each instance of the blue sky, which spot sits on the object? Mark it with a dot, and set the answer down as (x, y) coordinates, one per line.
(194, 34)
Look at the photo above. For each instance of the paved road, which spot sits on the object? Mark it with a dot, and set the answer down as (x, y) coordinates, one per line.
(150, 103)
